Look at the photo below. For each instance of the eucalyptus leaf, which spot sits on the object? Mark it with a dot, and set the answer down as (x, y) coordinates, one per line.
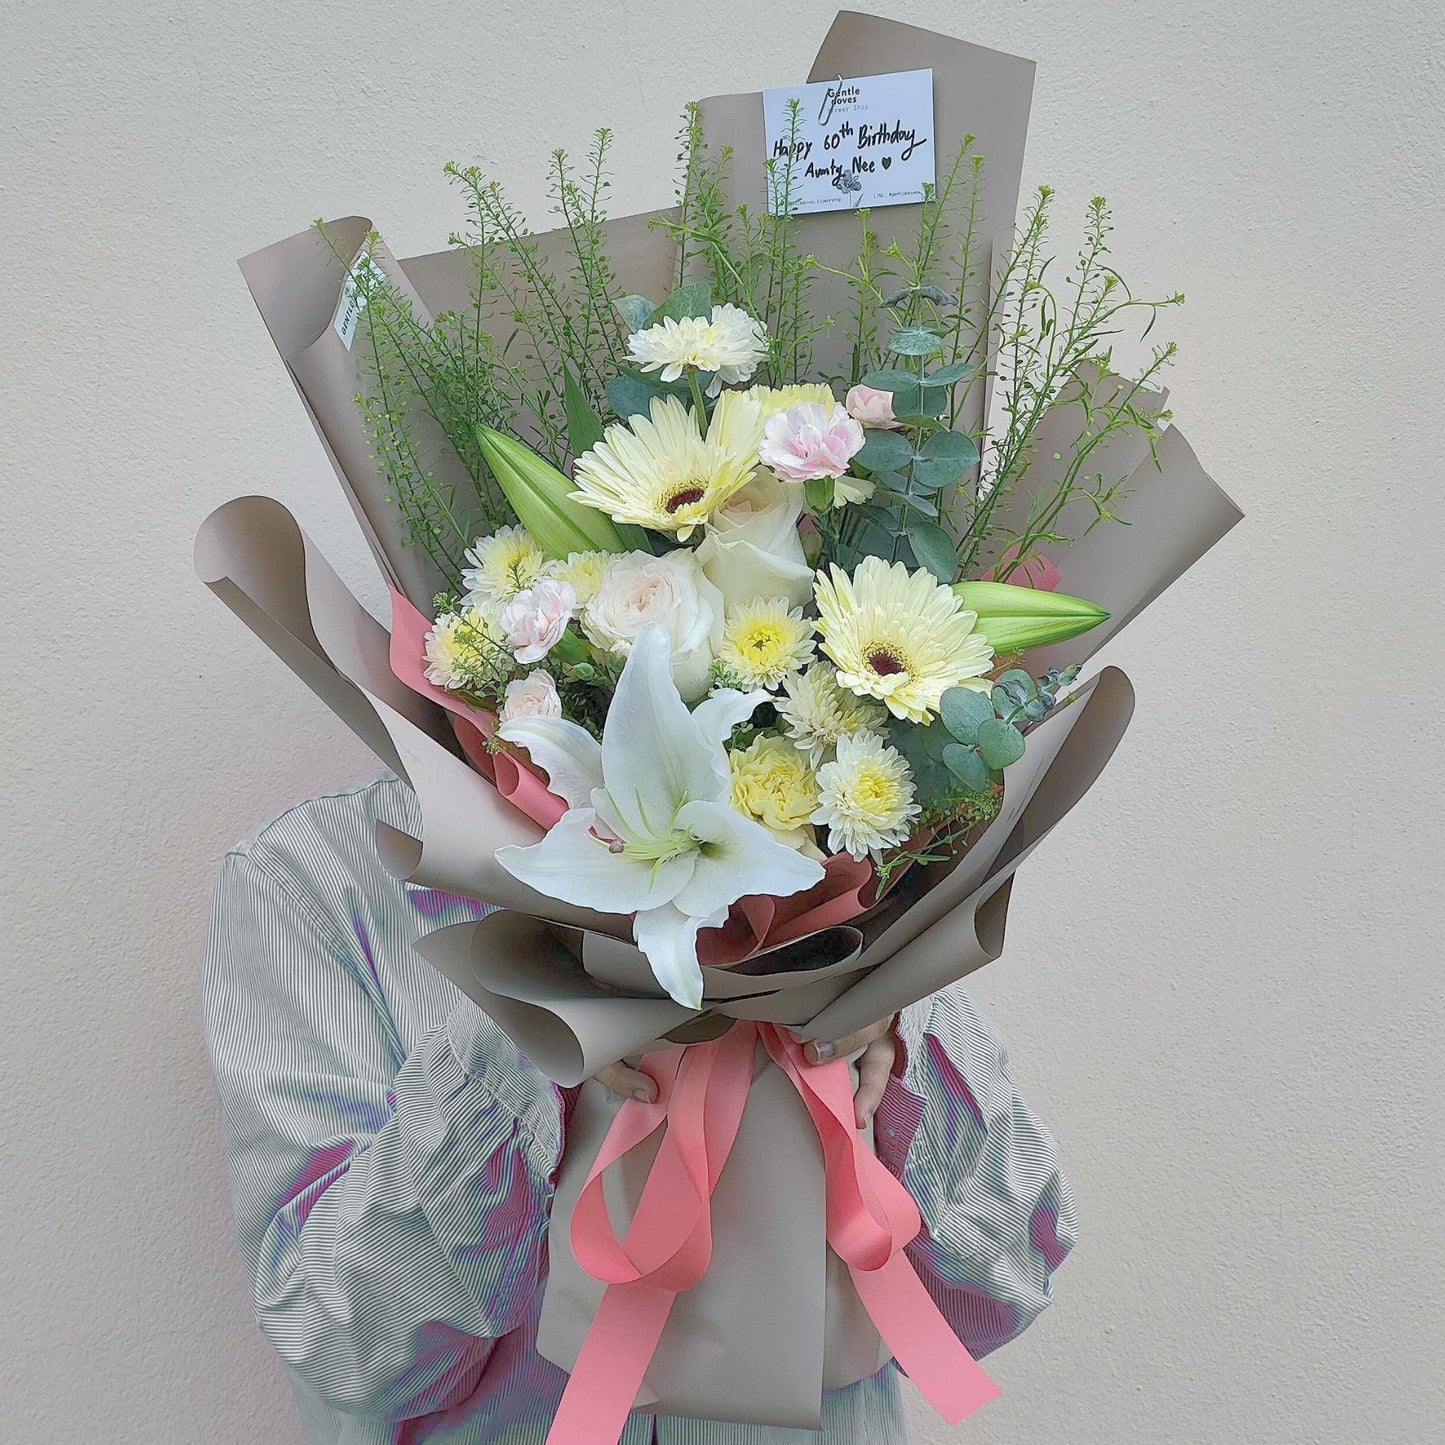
(963, 710)
(943, 458)
(694, 300)
(631, 396)
(889, 379)
(934, 549)
(999, 743)
(885, 451)
(949, 375)
(634, 311)
(1017, 678)
(818, 493)
(915, 341)
(968, 767)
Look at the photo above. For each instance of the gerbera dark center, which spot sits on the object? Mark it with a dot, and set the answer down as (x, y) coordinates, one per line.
(684, 498)
(885, 663)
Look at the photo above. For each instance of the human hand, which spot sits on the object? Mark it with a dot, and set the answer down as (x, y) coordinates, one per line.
(880, 1049)
(627, 1082)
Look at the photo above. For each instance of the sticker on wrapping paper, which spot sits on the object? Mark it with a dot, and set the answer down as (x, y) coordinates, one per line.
(838, 144)
(361, 276)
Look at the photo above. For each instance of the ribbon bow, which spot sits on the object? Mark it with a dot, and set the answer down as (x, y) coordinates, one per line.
(871, 1217)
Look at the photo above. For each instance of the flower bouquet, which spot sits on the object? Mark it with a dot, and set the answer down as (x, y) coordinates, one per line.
(743, 563)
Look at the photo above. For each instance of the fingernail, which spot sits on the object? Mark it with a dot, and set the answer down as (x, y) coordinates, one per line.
(823, 1051)
(642, 1096)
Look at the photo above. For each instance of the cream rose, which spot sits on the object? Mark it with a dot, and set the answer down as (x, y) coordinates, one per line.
(669, 591)
(752, 548)
(532, 696)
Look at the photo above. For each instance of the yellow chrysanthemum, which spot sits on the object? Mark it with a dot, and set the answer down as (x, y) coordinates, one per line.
(773, 784)
(816, 712)
(656, 471)
(466, 651)
(899, 636)
(865, 797)
(764, 640)
(504, 564)
(582, 571)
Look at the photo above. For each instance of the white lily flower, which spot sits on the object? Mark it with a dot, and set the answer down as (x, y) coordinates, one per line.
(650, 829)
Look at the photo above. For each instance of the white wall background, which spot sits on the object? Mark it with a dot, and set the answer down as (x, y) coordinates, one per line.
(1218, 987)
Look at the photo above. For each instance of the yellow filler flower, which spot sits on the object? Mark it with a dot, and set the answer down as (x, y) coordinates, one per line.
(764, 640)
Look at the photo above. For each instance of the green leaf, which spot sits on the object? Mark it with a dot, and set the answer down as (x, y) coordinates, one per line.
(949, 375)
(963, 710)
(885, 451)
(999, 743)
(934, 549)
(584, 426)
(818, 493)
(915, 341)
(944, 458)
(635, 538)
(694, 300)
(897, 499)
(634, 311)
(968, 767)
(924, 747)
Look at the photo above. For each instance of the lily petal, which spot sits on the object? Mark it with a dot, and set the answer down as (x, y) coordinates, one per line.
(653, 756)
(569, 755)
(717, 715)
(669, 939)
(740, 857)
(573, 865)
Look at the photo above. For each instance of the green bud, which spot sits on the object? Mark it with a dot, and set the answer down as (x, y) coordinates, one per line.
(1015, 619)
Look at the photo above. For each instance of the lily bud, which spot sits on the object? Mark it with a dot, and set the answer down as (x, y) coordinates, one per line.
(540, 496)
(1015, 619)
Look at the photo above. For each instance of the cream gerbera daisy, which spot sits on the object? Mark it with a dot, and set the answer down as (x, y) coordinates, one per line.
(582, 571)
(504, 564)
(773, 784)
(899, 636)
(729, 343)
(816, 712)
(467, 652)
(764, 640)
(658, 472)
(780, 398)
(865, 797)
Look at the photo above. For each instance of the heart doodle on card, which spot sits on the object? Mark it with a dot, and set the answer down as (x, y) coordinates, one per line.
(887, 161)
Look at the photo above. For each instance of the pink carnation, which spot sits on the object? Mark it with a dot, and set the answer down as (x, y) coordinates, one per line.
(809, 441)
(871, 407)
(535, 619)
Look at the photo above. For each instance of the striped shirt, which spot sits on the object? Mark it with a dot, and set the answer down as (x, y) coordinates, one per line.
(392, 1156)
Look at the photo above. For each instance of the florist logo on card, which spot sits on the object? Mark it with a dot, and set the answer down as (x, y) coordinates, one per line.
(838, 94)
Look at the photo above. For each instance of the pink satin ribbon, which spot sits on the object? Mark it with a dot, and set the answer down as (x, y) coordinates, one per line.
(702, 1091)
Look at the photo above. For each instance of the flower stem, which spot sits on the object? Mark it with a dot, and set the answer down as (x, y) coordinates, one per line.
(698, 405)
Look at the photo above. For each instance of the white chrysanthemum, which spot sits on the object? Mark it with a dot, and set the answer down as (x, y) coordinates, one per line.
(582, 571)
(466, 651)
(656, 471)
(764, 640)
(816, 712)
(729, 343)
(504, 564)
(899, 636)
(865, 797)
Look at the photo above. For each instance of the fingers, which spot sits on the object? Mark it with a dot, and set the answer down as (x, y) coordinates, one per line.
(873, 1070)
(819, 1051)
(627, 1083)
